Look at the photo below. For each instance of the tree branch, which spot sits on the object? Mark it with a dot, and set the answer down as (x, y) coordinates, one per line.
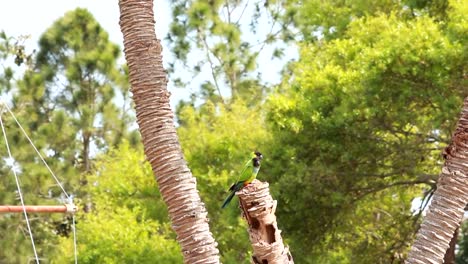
(212, 67)
(366, 191)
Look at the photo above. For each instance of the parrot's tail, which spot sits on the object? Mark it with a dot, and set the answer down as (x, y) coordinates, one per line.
(228, 199)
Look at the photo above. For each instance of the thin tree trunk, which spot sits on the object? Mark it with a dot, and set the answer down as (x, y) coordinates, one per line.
(86, 163)
(156, 122)
(448, 203)
(259, 210)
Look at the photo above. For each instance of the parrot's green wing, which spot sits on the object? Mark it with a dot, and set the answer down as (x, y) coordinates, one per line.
(245, 173)
(245, 177)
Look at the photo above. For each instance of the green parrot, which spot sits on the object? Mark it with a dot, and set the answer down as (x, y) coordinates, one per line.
(248, 174)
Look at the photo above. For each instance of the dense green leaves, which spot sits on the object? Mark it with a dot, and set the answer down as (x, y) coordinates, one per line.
(356, 128)
(128, 222)
(462, 254)
(76, 73)
(66, 102)
(221, 39)
(312, 20)
(362, 114)
(217, 142)
(351, 135)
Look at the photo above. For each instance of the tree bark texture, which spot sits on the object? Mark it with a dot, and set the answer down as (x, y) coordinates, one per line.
(448, 203)
(148, 80)
(450, 255)
(259, 210)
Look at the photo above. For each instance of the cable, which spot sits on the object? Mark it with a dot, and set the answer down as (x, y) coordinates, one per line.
(37, 151)
(19, 191)
(74, 240)
(69, 198)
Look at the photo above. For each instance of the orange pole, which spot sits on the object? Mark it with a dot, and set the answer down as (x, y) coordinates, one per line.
(66, 208)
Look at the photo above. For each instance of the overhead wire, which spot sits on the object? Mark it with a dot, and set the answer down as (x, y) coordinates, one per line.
(69, 198)
(37, 151)
(75, 248)
(19, 190)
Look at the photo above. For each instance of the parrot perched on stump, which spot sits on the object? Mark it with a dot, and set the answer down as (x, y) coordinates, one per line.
(248, 174)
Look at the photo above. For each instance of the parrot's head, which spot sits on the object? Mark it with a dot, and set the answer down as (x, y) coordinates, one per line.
(258, 155)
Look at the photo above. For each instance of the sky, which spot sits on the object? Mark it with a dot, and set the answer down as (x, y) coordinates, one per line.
(33, 17)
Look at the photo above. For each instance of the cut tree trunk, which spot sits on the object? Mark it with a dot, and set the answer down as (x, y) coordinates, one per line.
(155, 119)
(259, 210)
(448, 203)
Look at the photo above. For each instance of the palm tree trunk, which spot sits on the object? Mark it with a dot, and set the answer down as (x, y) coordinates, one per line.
(259, 210)
(448, 203)
(450, 255)
(156, 122)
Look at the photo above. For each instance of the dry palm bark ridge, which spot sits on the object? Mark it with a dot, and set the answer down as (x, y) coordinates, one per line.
(259, 209)
(449, 200)
(155, 119)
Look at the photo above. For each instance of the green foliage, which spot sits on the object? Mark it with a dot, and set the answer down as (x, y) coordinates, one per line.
(462, 254)
(66, 101)
(355, 130)
(12, 50)
(225, 33)
(350, 137)
(73, 88)
(217, 142)
(128, 222)
(366, 114)
(457, 24)
(15, 240)
(311, 20)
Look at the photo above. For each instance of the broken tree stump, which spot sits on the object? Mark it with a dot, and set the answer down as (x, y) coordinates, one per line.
(258, 209)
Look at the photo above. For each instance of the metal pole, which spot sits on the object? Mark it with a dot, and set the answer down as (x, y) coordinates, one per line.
(66, 208)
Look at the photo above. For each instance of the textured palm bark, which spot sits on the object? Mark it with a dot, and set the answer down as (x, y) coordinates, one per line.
(148, 79)
(449, 257)
(259, 210)
(447, 207)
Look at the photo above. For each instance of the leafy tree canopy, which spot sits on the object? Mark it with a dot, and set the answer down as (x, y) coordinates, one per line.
(67, 101)
(364, 115)
(217, 142)
(73, 89)
(351, 135)
(129, 221)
